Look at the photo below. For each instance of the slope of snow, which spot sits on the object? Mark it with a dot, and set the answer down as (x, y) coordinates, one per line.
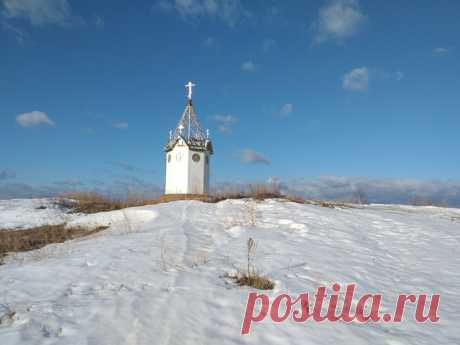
(28, 213)
(156, 275)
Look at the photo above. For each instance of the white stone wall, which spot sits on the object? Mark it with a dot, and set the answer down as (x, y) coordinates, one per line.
(183, 174)
(198, 179)
(177, 170)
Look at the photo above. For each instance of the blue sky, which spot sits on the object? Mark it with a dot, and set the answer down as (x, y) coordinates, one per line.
(292, 89)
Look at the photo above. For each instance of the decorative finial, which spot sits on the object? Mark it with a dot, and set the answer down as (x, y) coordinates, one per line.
(181, 128)
(170, 134)
(189, 86)
(207, 133)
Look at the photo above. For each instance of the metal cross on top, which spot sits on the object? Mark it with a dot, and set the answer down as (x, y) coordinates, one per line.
(189, 86)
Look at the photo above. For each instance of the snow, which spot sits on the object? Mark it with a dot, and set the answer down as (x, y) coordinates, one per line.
(156, 275)
(28, 213)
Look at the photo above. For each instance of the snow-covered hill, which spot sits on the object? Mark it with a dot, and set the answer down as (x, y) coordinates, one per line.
(156, 275)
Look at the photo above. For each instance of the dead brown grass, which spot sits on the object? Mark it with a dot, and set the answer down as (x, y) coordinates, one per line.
(264, 191)
(91, 202)
(251, 277)
(35, 238)
(295, 198)
(336, 204)
(254, 280)
(255, 191)
(322, 203)
(178, 197)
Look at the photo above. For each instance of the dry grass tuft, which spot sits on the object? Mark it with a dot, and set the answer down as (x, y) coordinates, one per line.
(322, 203)
(251, 277)
(418, 200)
(255, 191)
(35, 238)
(338, 204)
(178, 197)
(264, 191)
(296, 199)
(254, 280)
(7, 315)
(90, 202)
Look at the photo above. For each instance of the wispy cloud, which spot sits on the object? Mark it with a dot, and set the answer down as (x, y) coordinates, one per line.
(338, 20)
(208, 42)
(38, 12)
(6, 174)
(69, 183)
(252, 157)
(34, 118)
(286, 110)
(248, 66)
(20, 34)
(88, 131)
(359, 79)
(440, 51)
(120, 188)
(356, 80)
(124, 165)
(228, 11)
(22, 190)
(99, 21)
(272, 14)
(120, 125)
(130, 168)
(377, 190)
(226, 119)
(268, 44)
(225, 123)
(398, 75)
(380, 74)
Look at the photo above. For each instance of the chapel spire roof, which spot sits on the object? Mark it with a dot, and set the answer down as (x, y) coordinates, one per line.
(188, 127)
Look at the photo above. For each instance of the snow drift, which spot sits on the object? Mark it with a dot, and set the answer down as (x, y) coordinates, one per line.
(156, 276)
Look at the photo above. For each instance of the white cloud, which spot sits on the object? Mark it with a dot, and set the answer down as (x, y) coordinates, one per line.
(268, 44)
(229, 11)
(208, 42)
(274, 180)
(20, 34)
(99, 21)
(34, 118)
(286, 110)
(224, 129)
(38, 12)
(165, 5)
(7, 174)
(385, 75)
(129, 168)
(88, 131)
(225, 123)
(71, 182)
(225, 119)
(120, 125)
(356, 80)
(440, 51)
(248, 66)
(120, 188)
(338, 20)
(399, 75)
(252, 157)
(379, 190)
(272, 13)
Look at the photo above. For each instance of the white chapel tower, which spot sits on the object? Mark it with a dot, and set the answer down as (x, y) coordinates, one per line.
(187, 154)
